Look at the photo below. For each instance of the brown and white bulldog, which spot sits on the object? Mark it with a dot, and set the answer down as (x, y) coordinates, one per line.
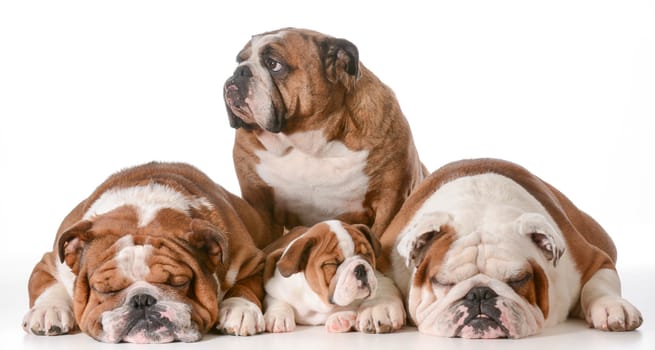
(148, 257)
(326, 275)
(485, 249)
(319, 136)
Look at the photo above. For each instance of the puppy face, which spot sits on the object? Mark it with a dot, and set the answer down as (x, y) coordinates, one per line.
(337, 260)
(480, 277)
(151, 284)
(286, 76)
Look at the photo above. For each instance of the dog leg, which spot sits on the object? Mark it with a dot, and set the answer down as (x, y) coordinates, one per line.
(384, 312)
(279, 316)
(341, 321)
(602, 304)
(239, 316)
(51, 305)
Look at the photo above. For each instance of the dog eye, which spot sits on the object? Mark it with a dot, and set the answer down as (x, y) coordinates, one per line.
(519, 280)
(273, 65)
(179, 281)
(438, 283)
(105, 290)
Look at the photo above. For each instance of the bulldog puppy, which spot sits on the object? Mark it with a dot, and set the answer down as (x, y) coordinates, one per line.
(485, 249)
(319, 136)
(326, 275)
(148, 257)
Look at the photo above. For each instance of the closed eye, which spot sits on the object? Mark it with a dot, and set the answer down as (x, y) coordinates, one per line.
(440, 283)
(520, 280)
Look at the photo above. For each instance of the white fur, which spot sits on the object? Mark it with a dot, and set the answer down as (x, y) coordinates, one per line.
(53, 308)
(602, 305)
(294, 290)
(239, 316)
(346, 243)
(147, 200)
(132, 260)
(486, 212)
(316, 179)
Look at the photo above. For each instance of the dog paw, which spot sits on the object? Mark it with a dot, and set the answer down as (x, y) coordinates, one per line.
(611, 313)
(49, 320)
(279, 320)
(238, 316)
(340, 322)
(381, 316)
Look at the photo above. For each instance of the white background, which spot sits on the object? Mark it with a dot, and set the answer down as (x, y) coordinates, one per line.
(564, 88)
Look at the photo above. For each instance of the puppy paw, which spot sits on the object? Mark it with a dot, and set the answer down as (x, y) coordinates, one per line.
(238, 316)
(279, 320)
(342, 321)
(612, 313)
(381, 316)
(49, 320)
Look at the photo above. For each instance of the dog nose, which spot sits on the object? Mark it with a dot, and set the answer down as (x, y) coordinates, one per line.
(142, 301)
(480, 294)
(243, 71)
(360, 272)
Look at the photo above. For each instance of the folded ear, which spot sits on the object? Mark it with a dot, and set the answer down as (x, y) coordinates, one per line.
(341, 61)
(415, 240)
(548, 239)
(209, 239)
(370, 237)
(71, 243)
(294, 258)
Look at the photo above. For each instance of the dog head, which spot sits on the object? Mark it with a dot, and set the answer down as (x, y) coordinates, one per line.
(476, 277)
(286, 76)
(150, 284)
(336, 260)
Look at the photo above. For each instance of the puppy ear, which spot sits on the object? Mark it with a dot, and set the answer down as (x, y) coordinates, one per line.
(294, 259)
(210, 239)
(370, 237)
(71, 243)
(418, 237)
(543, 235)
(341, 61)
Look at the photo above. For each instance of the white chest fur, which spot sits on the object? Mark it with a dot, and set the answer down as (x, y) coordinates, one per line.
(314, 179)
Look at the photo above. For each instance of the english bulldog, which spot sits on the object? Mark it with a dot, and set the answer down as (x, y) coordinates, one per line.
(326, 275)
(148, 257)
(485, 249)
(319, 136)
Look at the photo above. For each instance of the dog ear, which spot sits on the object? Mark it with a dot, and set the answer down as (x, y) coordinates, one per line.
(210, 239)
(341, 61)
(71, 243)
(294, 259)
(543, 235)
(419, 236)
(370, 237)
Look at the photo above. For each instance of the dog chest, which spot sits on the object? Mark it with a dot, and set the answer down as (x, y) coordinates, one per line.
(312, 178)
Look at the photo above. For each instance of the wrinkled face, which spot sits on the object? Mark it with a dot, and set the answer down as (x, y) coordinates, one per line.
(140, 288)
(477, 278)
(286, 76)
(337, 260)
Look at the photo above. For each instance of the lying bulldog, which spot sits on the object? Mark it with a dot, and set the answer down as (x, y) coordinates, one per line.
(148, 257)
(485, 249)
(314, 133)
(326, 275)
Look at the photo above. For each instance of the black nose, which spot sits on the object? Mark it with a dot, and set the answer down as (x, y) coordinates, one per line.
(142, 301)
(480, 294)
(243, 71)
(360, 272)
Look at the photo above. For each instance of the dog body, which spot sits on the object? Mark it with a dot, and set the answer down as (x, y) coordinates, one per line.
(148, 257)
(485, 249)
(326, 275)
(319, 136)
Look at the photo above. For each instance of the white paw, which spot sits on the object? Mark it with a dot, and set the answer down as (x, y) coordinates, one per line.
(612, 313)
(238, 316)
(49, 320)
(279, 320)
(383, 315)
(342, 321)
